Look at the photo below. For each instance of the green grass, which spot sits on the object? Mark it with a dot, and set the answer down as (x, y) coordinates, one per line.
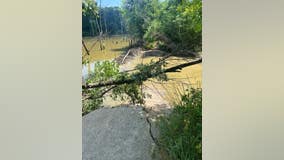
(181, 131)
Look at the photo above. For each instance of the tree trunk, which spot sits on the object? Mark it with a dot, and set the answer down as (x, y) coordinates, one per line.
(132, 80)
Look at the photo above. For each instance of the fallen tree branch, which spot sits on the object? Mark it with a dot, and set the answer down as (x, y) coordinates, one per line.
(101, 95)
(85, 47)
(132, 80)
(178, 67)
(125, 56)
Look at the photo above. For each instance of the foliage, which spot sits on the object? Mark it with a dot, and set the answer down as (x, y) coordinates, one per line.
(130, 92)
(138, 15)
(111, 18)
(90, 11)
(153, 69)
(109, 70)
(93, 102)
(180, 21)
(181, 131)
(133, 13)
(89, 8)
(102, 71)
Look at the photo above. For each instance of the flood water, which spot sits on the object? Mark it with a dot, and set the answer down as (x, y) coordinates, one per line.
(162, 92)
(114, 46)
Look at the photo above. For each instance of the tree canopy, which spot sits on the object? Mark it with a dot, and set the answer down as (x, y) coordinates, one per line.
(94, 19)
(178, 21)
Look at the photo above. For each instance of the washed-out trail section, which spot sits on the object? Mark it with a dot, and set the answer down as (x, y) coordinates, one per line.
(120, 131)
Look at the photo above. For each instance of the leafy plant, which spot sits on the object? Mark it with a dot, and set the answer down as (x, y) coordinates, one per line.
(93, 102)
(102, 71)
(178, 21)
(109, 70)
(181, 131)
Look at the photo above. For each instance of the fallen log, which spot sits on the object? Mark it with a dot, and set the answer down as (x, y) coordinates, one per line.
(132, 80)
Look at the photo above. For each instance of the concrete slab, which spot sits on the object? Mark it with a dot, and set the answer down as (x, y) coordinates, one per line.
(120, 133)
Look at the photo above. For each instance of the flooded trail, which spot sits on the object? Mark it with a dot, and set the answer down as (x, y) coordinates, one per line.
(162, 95)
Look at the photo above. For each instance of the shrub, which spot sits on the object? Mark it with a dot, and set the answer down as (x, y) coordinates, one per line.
(102, 71)
(181, 131)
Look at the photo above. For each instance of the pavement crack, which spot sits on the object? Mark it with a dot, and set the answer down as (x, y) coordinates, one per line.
(155, 140)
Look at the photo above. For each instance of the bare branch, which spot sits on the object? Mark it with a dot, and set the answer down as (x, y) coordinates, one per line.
(85, 47)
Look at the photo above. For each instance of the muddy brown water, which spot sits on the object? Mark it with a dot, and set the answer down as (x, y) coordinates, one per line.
(163, 94)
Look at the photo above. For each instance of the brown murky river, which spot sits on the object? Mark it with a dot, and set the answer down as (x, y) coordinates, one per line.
(163, 94)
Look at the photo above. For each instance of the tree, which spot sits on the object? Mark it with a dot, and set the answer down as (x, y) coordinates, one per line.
(89, 15)
(179, 22)
(133, 13)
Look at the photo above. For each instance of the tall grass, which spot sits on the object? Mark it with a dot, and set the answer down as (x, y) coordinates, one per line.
(174, 90)
(181, 131)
